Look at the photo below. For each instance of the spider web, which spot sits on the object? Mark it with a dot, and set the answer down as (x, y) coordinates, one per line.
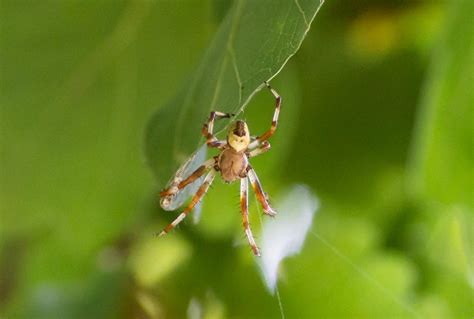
(186, 169)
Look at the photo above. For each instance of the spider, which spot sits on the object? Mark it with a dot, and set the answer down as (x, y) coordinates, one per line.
(233, 164)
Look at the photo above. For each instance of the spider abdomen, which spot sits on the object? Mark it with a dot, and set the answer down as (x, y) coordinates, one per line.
(232, 165)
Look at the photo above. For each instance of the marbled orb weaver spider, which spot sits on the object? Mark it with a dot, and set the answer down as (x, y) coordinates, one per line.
(233, 164)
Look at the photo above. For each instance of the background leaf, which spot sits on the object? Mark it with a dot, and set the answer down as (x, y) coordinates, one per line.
(442, 163)
(233, 69)
(443, 154)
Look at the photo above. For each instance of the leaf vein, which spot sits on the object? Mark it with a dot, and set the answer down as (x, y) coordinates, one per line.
(302, 13)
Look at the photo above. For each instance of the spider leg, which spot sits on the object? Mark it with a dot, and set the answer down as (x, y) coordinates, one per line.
(262, 148)
(175, 187)
(196, 198)
(265, 136)
(208, 128)
(257, 188)
(244, 206)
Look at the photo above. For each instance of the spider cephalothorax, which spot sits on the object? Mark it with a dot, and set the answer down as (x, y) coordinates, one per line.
(239, 136)
(233, 164)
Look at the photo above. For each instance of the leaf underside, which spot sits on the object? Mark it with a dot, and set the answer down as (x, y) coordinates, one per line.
(253, 43)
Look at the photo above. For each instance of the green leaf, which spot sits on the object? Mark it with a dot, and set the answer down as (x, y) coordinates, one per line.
(443, 160)
(252, 45)
(443, 167)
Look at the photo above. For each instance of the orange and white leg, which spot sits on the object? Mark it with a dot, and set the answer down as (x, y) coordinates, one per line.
(261, 196)
(196, 198)
(265, 136)
(178, 185)
(244, 207)
(262, 148)
(208, 128)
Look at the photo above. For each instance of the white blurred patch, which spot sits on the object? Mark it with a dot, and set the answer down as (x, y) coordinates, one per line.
(194, 309)
(174, 202)
(284, 235)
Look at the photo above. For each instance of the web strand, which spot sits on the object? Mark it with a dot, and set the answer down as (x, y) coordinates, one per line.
(366, 275)
(279, 301)
(280, 305)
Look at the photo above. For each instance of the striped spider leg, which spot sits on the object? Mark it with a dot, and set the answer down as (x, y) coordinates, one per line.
(169, 196)
(265, 136)
(196, 198)
(179, 183)
(207, 129)
(262, 148)
(259, 146)
(261, 195)
(244, 207)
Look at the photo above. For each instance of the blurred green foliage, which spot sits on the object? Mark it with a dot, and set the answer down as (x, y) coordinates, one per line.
(377, 119)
